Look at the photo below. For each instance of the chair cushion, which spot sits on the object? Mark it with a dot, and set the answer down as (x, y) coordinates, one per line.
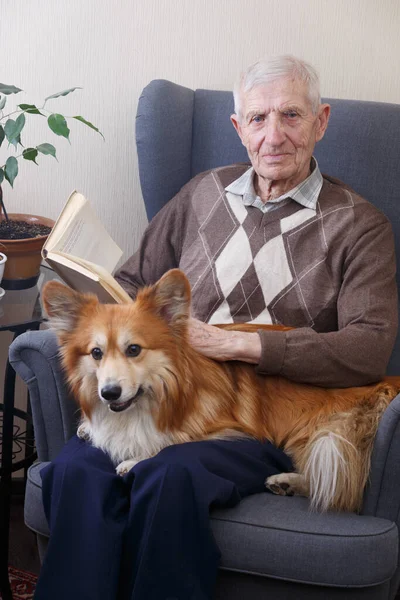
(280, 537)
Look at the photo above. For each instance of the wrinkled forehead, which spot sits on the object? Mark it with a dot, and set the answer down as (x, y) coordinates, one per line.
(279, 93)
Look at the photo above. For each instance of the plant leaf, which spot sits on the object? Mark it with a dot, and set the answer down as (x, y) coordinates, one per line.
(3, 102)
(47, 149)
(30, 154)
(11, 170)
(9, 129)
(82, 120)
(31, 109)
(20, 123)
(9, 89)
(1, 176)
(64, 93)
(13, 129)
(2, 135)
(58, 125)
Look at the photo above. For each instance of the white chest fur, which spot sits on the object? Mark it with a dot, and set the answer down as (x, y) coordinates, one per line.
(130, 434)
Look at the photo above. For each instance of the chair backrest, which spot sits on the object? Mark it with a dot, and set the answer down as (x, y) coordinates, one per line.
(181, 132)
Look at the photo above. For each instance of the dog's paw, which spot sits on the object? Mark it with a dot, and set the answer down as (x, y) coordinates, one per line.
(84, 432)
(279, 484)
(124, 467)
(288, 484)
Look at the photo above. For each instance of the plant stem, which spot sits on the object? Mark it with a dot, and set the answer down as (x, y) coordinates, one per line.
(2, 205)
(19, 111)
(14, 112)
(18, 156)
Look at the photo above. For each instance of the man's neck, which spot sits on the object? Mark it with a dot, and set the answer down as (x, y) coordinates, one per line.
(269, 189)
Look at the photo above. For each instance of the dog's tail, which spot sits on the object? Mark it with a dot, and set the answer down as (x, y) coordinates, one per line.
(338, 455)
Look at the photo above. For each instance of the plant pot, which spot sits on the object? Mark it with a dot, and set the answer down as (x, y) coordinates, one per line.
(23, 256)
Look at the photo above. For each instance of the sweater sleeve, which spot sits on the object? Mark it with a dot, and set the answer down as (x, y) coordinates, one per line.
(159, 249)
(161, 246)
(367, 308)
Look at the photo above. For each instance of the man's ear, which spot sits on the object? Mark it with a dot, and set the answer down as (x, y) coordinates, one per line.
(236, 123)
(172, 296)
(324, 111)
(64, 306)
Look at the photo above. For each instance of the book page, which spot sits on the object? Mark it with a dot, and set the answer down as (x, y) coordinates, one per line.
(78, 232)
(83, 276)
(105, 278)
(83, 284)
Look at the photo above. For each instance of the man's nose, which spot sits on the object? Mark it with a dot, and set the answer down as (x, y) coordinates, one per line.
(274, 131)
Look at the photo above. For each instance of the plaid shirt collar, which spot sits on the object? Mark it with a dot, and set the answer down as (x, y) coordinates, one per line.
(306, 193)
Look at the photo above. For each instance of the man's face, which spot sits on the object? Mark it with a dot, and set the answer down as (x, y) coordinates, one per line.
(279, 130)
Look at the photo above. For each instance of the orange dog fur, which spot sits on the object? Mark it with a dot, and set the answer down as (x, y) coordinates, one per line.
(141, 387)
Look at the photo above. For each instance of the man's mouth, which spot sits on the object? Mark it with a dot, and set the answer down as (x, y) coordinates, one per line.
(275, 157)
(121, 406)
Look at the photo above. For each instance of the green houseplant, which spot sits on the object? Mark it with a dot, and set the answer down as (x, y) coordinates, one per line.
(18, 231)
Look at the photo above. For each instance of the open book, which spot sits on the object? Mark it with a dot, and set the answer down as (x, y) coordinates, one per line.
(82, 253)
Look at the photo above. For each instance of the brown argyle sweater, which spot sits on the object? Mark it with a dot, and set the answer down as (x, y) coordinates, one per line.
(329, 272)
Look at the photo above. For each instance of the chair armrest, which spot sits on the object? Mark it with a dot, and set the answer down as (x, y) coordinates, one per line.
(34, 356)
(382, 496)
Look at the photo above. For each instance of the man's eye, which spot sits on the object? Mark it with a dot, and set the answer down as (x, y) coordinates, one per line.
(96, 354)
(133, 350)
(291, 114)
(257, 119)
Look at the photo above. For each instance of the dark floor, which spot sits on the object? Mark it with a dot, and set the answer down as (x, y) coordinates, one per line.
(23, 553)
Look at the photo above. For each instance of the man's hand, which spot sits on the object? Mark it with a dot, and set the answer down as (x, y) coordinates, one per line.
(222, 344)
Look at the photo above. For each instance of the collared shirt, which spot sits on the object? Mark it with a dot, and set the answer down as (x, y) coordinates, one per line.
(305, 193)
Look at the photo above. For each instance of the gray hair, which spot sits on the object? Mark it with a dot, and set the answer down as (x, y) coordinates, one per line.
(276, 67)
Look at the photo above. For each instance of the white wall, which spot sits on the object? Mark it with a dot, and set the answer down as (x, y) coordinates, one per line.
(113, 49)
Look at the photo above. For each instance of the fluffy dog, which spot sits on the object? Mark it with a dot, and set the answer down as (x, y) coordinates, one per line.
(142, 387)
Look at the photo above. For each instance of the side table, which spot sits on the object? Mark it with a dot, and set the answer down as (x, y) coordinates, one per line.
(20, 311)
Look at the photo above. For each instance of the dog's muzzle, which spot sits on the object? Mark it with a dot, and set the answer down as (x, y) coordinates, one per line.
(112, 394)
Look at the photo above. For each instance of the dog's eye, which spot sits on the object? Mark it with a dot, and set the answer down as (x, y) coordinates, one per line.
(133, 350)
(97, 354)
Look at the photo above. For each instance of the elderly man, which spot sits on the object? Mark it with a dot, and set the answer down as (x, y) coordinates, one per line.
(271, 242)
(280, 243)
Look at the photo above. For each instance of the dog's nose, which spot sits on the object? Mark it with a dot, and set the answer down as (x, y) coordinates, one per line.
(111, 392)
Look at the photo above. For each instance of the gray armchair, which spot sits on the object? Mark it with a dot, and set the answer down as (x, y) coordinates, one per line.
(272, 547)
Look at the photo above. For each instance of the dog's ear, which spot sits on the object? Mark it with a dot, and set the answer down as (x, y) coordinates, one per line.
(172, 296)
(63, 306)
